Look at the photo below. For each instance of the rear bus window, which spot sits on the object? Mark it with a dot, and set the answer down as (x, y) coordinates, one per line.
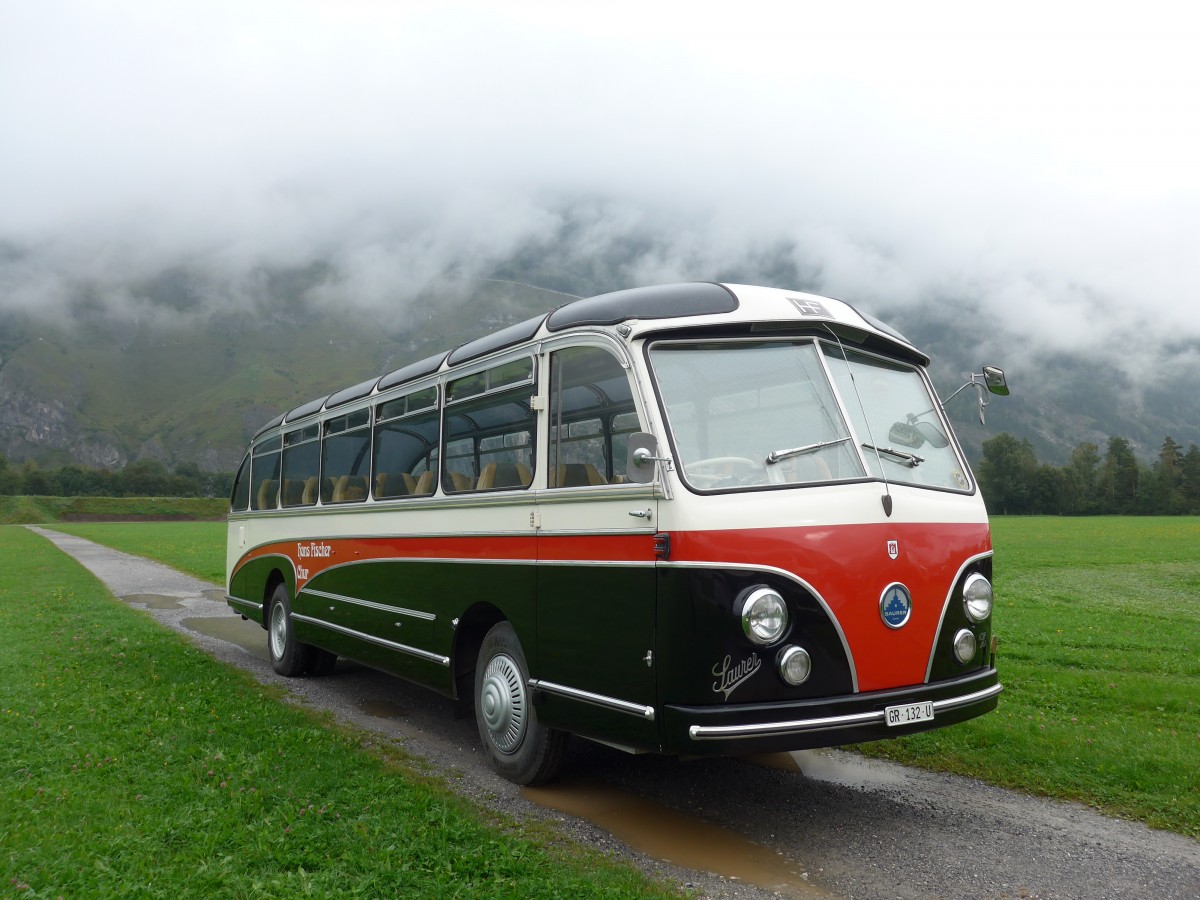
(240, 497)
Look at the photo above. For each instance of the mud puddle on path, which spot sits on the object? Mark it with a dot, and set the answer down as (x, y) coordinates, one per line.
(675, 837)
(247, 635)
(381, 709)
(154, 601)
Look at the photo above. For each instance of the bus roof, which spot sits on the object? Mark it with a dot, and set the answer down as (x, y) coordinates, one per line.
(646, 309)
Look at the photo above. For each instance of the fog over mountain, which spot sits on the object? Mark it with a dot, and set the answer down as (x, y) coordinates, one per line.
(1014, 180)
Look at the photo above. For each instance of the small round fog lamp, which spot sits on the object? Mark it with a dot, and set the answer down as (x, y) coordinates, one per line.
(795, 665)
(977, 597)
(964, 646)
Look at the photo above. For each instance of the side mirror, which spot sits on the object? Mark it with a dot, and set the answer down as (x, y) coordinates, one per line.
(994, 379)
(991, 378)
(641, 457)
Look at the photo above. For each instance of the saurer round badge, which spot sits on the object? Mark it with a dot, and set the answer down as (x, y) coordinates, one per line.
(895, 605)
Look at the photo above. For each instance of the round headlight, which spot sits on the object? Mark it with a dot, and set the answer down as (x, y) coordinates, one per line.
(764, 615)
(964, 646)
(795, 665)
(977, 597)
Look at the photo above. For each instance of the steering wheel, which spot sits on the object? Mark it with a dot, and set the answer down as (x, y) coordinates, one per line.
(725, 471)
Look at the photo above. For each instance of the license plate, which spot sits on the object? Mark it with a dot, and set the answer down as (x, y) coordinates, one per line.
(909, 713)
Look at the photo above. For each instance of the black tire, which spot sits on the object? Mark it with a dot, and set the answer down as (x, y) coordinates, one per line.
(289, 657)
(520, 748)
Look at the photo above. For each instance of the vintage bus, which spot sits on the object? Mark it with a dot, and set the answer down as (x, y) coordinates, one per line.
(688, 519)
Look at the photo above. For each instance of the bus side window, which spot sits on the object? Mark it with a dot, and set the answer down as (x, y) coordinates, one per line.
(301, 462)
(346, 458)
(489, 444)
(591, 418)
(489, 432)
(264, 474)
(406, 444)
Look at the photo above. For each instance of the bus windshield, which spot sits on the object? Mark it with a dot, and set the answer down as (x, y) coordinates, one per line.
(761, 413)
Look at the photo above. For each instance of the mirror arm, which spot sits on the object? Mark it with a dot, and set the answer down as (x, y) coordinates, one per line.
(643, 456)
(959, 391)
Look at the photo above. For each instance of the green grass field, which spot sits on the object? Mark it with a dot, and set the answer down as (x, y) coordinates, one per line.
(134, 765)
(1099, 623)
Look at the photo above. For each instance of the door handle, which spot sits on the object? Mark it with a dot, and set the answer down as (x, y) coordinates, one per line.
(642, 513)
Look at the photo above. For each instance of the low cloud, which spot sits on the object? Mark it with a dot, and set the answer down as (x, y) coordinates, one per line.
(398, 145)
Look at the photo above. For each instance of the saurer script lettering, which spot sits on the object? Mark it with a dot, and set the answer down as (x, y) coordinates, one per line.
(729, 676)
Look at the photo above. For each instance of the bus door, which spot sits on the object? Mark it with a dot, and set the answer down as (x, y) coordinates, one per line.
(596, 591)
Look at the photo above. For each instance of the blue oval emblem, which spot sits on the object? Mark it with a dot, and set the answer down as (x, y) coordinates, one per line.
(895, 606)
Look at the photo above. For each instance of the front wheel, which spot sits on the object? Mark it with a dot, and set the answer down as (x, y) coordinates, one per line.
(519, 747)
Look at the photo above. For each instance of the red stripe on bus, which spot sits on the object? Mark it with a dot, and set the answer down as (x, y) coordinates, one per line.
(318, 554)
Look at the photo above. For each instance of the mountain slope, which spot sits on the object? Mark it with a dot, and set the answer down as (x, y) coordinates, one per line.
(179, 382)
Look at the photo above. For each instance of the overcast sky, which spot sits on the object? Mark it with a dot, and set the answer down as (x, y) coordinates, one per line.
(1041, 156)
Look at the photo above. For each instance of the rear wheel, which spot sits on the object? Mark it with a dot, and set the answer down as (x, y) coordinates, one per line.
(520, 748)
(289, 657)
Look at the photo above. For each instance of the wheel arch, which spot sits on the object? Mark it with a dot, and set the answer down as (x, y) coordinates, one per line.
(274, 578)
(473, 626)
(257, 577)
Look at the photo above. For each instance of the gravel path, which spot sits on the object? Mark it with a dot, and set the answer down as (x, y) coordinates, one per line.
(794, 825)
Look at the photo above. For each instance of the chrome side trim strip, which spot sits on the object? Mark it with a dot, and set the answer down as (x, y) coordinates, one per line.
(828, 723)
(370, 638)
(601, 563)
(636, 709)
(383, 607)
(231, 600)
(967, 699)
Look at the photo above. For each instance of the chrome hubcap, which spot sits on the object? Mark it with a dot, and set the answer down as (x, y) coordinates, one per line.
(278, 630)
(502, 703)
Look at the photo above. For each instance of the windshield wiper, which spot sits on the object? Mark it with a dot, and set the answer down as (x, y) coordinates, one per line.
(779, 455)
(909, 459)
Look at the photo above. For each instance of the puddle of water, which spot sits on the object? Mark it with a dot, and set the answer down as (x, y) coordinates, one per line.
(381, 709)
(675, 837)
(154, 601)
(842, 768)
(216, 595)
(247, 635)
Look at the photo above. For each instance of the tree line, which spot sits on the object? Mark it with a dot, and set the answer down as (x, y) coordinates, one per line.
(143, 478)
(1091, 483)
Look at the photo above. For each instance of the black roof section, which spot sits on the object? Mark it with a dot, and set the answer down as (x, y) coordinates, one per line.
(412, 371)
(305, 409)
(662, 301)
(497, 340)
(882, 326)
(345, 395)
